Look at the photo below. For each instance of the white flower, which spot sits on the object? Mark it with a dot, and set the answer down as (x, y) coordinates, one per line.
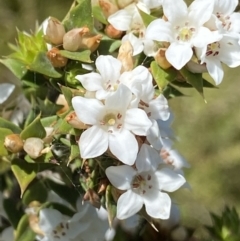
(225, 50)
(106, 82)
(184, 29)
(113, 125)
(144, 185)
(228, 21)
(6, 89)
(56, 227)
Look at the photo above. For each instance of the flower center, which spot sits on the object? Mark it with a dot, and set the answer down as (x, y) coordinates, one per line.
(112, 121)
(226, 23)
(60, 230)
(213, 49)
(111, 86)
(142, 183)
(185, 33)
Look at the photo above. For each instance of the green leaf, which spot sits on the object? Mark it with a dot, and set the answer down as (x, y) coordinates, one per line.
(108, 45)
(16, 66)
(83, 56)
(110, 205)
(98, 14)
(42, 65)
(80, 16)
(14, 213)
(62, 190)
(194, 79)
(162, 76)
(35, 129)
(47, 108)
(171, 92)
(9, 125)
(147, 19)
(67, 94)
(49, 121)
(24, 232)
(36, 191)
(62, 127)
(75, 152)
(4, 132)
(26, 172)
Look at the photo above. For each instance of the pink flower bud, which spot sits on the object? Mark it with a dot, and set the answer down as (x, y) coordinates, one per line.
(108, 8)
(13, 143)
(56, 58)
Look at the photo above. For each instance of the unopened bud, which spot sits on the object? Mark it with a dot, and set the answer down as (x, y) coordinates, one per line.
(13, 143)
(161, 59)
(73, 38)
(55, 31)
(112, 32)
(33, 146)
(49, 134)
(56, 58)
(108, 8)
(92, 197)
(125, 56)
(75, 122)
(90, 42)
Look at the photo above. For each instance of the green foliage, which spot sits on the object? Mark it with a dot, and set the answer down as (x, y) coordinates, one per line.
(225, 227)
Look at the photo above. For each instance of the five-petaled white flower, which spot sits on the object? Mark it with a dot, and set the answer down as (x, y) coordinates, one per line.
(183, 30)
(113, 125)
(144, 185)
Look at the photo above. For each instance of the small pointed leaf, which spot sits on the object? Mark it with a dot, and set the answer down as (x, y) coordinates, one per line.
(82, 56)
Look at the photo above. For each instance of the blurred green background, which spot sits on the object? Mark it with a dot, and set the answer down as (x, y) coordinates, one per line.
(209, 133)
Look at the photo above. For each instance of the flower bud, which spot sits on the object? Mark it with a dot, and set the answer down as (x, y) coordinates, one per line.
(90, 42)
(125, 56)
(73, 38)
(108, 8)
(33, 146)
(56, 58)
(55, 31)
(13, 143)
(111, 32)
(161, 59)
(75, 122)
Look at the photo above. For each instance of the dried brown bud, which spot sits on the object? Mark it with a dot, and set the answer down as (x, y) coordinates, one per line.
(103, 185)
(161, 59)
(90, 42)
(56, 58)
(55, 31)
(73, 38)
(108, 8)
(33, 146)
(111, 32)
(125, 56)
(92, 197)
(73, 120)
(13, 143)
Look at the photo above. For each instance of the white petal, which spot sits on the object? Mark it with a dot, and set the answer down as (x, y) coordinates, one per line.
(136, 43)
(159, 206)
(93, 142)
(159, 30)
(225, 6)
(169, 180)
(91, 81)
(6, 90)
(128, 204)
(214, 68)
(124, 146)
(148, 159)
(109, 68)
(89, 111)
(137, 121)
(121, 20)
(175, 10)
(200, 11)
(179, 54)
(120, 99)
(49, 219)
(154, 136)
(121, 176)
(235, 22)
(159, 108)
